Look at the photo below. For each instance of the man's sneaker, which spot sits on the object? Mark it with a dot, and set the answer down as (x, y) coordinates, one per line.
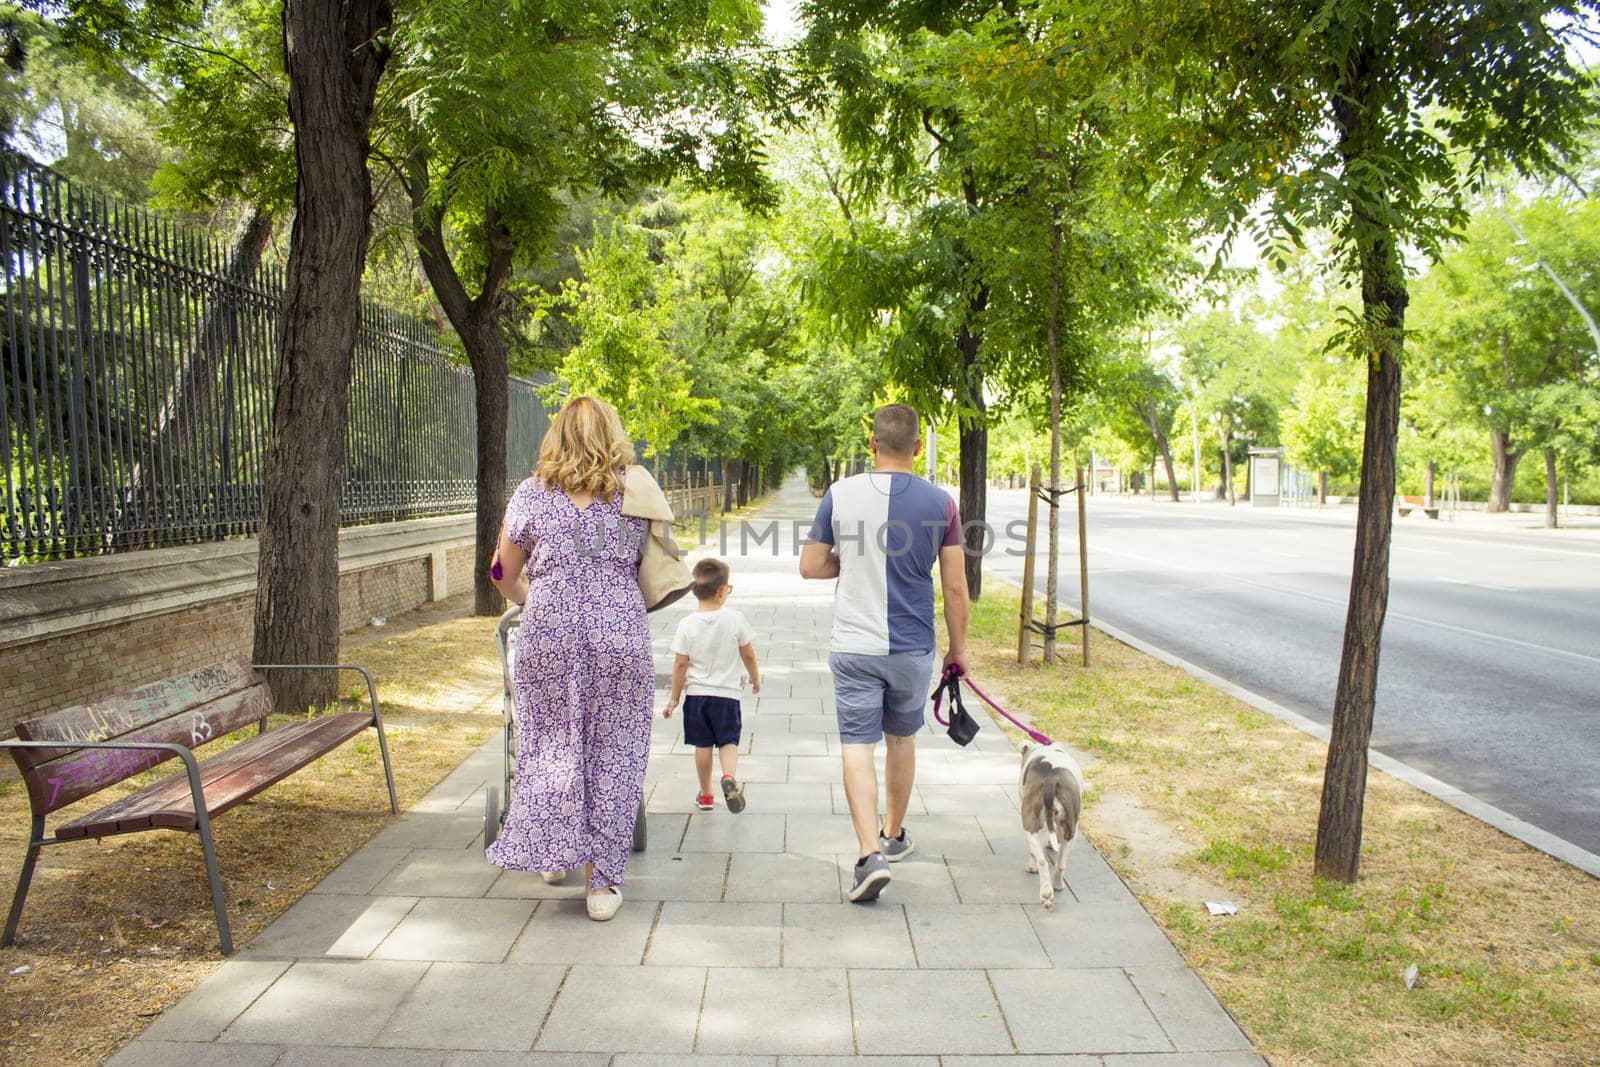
(872, 874)
(733, 793)
(895, 848)
(705, 802)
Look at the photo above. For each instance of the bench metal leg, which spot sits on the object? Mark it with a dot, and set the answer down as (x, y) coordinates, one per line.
(388, 775)
(35, 841)
(214, 876)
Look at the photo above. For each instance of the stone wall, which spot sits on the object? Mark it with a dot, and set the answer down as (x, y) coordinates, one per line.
(76, 631)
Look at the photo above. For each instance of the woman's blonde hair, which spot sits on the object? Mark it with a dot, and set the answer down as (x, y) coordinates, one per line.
(585, 449)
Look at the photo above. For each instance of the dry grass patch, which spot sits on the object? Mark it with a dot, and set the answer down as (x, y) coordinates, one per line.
(1507, 940)
(116, 932)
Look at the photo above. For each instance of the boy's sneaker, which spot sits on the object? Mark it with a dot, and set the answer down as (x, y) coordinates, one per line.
(733, 793)
(895, 848)
(705, 802)
(872, 874)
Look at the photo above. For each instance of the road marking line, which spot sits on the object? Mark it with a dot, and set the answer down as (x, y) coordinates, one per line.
(1483, 585)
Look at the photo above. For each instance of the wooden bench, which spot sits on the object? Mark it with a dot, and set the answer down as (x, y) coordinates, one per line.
(74, 753)
(1405, 504)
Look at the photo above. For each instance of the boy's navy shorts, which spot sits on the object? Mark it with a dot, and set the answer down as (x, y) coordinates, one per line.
(710, 722)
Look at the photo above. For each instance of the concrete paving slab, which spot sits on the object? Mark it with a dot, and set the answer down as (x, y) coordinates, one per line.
(719, 831)
(433, 872)
(969, 800)
(150, 1053)
(297, 1056)
(631, 1059)
(361, 871)
(1102, 935)
(330, 925)
(1062, 1011)
(457, 931)
(327, 1002)
(858, 1061)
(787, 743)
(819, 834)
(722, 934)
(929, 1012)
(949, 835)
(974, 935)
(772, 1011)
(216, 1002)
(625, 1009)
(431, 829)
(793, 798)
(846, 935)
(527, 1059)
(783, 877)
(1187, 1010)
(997, 880)
(561, 932)
(474, 1006)
(698, 876)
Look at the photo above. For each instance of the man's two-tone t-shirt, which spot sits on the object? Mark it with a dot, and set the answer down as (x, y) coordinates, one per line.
(887, 529)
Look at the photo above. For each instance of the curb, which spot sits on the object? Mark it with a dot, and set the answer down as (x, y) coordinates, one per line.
(1529, 834)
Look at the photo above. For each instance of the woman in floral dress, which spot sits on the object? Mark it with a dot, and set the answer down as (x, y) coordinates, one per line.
(583, 675)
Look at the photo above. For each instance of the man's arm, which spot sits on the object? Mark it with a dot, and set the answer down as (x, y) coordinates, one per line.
(680, 675)
(818, 560)
(953, 582)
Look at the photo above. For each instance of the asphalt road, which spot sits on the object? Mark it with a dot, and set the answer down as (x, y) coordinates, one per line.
(1490, 671)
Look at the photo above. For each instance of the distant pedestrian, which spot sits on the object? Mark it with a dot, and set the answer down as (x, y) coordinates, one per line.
(709, 648)
(880, 533)
(583, 675)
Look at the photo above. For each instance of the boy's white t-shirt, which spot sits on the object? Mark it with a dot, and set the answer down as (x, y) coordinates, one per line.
(711, 640)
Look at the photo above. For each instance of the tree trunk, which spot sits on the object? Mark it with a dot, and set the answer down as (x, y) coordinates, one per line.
(1551, 500)
(974, 446)
(1053, 348)
(1506, 459)
(334, 55)
(1226, 433)
(726, 471)
(1322, 488)
(491, 384)
(1427, 484)
(1383, 298)
(1148, 410)
(477, 322)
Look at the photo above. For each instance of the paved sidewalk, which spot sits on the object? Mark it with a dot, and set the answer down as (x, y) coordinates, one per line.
(735, 944)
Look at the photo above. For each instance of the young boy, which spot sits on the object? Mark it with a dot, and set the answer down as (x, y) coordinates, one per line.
(708, 648)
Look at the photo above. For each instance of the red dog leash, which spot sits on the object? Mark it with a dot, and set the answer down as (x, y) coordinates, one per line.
(951, 681)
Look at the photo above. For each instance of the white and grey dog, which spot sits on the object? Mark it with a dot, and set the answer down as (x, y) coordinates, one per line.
(1052, 795)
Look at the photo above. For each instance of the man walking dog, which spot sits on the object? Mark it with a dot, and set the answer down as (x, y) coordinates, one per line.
(880, 534)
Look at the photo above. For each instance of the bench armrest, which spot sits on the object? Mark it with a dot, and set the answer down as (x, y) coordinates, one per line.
(190, 765)
(372, 688)
(372, 696)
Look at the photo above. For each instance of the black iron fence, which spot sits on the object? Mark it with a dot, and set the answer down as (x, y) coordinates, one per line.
(136, 367)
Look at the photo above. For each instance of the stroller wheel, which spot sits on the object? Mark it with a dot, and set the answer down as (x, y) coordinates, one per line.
(491, 815)
(639, 833)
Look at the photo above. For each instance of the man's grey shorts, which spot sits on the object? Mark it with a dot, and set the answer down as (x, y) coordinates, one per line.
(877, 695)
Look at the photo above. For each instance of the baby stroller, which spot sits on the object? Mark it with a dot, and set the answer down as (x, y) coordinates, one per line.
(494, 815)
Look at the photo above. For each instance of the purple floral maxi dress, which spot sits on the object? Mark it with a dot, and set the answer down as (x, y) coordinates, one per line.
(583, 682)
